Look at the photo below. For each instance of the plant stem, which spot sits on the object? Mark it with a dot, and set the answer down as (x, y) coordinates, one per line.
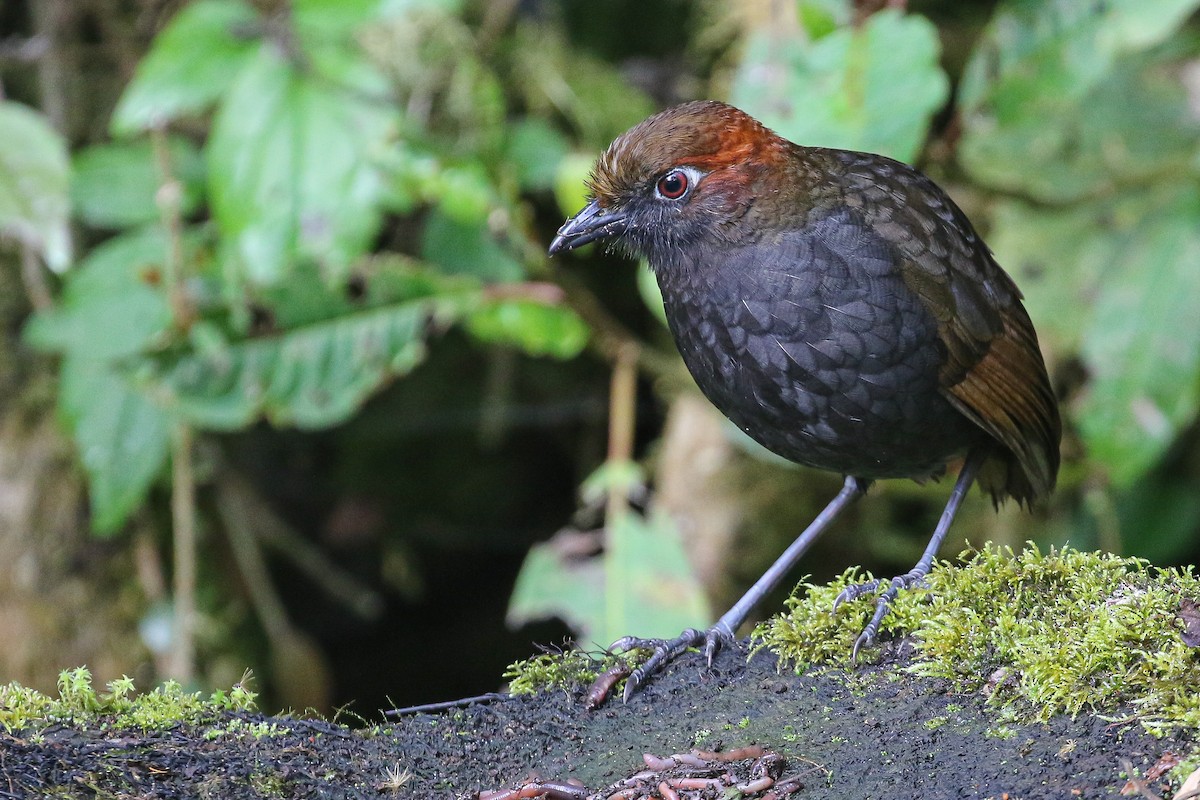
(183, 478)
(183, 523)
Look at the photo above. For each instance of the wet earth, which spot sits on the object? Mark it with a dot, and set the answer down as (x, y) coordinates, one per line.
(868, 733)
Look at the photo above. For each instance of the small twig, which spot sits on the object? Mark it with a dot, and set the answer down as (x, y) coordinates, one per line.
(622, 416)
(169, 199)
(183, 478)
(183, 523)
(490, 697)
(275, 533)
(34, 279)
(1138, 785)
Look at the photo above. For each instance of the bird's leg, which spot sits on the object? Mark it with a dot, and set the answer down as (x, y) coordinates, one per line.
(723, 631)
(965, 477)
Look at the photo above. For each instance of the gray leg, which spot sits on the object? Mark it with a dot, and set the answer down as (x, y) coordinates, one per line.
(723, 631)
(965, 477)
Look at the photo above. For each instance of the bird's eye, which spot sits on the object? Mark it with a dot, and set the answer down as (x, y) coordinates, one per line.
(673, 185)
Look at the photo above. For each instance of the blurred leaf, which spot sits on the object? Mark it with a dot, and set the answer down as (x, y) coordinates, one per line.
(1057, 258)
(290, 168)
(873, 87)
(114, 185)
(324, 20)
(122, 438)
(649, 290)
(1057, 103)
(313, 376)
(464, 249)
(644, 585)
(1142, 346)
(464, 194)
(619, 475)
(112, 304)
(570, 187)
(822, 17)
(191, 63)
(1117, 281)
(33, 184)
(534, 149)
(538, 328)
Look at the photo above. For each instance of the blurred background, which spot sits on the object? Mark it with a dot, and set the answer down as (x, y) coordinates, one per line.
(288, 382)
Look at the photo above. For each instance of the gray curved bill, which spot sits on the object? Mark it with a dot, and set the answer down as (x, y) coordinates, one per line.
(590, 224)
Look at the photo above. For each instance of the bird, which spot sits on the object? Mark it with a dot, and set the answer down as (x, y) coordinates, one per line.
(840, 309)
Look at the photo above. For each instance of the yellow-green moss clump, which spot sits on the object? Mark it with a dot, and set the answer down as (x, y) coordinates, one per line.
(119, 707)
(1044, 633)
(567, 670)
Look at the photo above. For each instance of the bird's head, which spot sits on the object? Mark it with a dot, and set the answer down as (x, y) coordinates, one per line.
(685, 173)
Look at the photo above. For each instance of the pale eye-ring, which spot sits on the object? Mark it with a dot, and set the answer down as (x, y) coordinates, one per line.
(673, 185)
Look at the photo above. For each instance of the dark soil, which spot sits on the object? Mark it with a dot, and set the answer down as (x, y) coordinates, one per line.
(867, 733)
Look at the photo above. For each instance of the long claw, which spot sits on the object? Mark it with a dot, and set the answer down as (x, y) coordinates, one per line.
(853, 592)
(666, 651)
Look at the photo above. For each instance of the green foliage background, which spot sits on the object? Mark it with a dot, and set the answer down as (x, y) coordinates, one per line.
(294, 201)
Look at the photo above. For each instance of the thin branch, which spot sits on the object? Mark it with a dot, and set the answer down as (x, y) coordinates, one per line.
(183, 523)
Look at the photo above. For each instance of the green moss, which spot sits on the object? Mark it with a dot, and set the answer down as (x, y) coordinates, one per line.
(1042, 633)
(567, 670)
(78, 700)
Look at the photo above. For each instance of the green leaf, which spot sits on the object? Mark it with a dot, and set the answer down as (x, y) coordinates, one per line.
(1142, 346)
(122, 438)
(644, 585)
(534, 149)
(538, 328)
(1057, 102)
(873, 87)
(33, 184)
(570, 182)
(1116, 281)
(112, 303)
(290, 168)
(114, 185)
(190, 65)
(313, 376)
(467, 249)
(332, 19)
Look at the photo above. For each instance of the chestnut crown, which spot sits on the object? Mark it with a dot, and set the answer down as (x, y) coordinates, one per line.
(666, 180)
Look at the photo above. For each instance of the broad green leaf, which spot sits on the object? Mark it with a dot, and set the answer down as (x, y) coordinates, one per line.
(467, 249)
(652, 590)
(332, 19)
(643, 586)
(33, 184)
(570, 184)
(114, 185)
(651, 294)
(1056, 257)
(1142, 346)
(538, 328)
(290, 169)
(1057, 102)
(1117, 282)
(191, 64)
(534, 149)
(873, 87)
(113, 303)
(122, 438)
(313, 376)
(822, 17)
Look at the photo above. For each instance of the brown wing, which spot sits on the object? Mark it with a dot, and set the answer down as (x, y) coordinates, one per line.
(994, 373)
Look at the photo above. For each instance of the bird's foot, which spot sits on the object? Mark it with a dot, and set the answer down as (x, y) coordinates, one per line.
(882, 603)
(667, 650)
